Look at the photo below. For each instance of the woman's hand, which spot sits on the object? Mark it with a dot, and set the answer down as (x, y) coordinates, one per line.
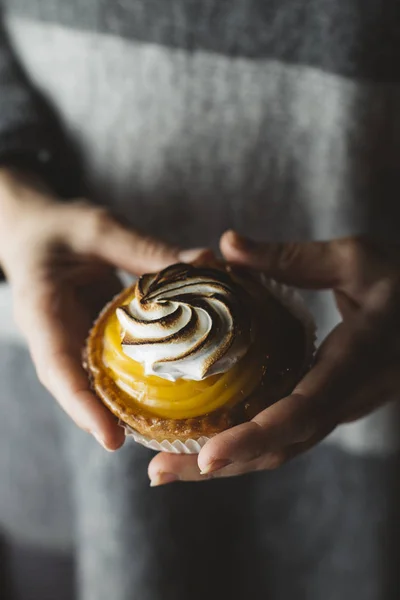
(60, 260)
(356, 370)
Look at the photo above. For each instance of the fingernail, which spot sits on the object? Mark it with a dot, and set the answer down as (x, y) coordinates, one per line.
(163, 479)
(216, 465)
(193, 254)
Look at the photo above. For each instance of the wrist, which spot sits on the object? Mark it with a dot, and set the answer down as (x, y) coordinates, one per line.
(22, 196)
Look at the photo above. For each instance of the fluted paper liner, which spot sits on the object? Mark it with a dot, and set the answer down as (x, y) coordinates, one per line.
(176, 447)
(292, 300)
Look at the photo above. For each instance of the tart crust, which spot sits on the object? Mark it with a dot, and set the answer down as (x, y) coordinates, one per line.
(285, 355)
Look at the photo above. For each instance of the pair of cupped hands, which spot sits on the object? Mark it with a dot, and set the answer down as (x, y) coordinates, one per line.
(61, 261)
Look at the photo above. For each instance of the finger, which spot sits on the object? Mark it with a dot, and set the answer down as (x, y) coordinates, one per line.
(291, 452)
(310, 265)
(169, 468)
(197, 256)
(289, 421)
(270, 459)
(99, 234)
(62, 374)
(274, 459)
(55, 338)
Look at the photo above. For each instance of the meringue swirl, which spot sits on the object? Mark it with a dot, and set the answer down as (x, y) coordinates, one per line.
(186, 322)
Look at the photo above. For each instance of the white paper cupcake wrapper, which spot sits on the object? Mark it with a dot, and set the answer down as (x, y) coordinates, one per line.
(176, 447)
(292, 300)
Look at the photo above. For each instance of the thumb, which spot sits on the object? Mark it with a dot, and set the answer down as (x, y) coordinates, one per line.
(132, 251)
(303, 264)
(123, 247)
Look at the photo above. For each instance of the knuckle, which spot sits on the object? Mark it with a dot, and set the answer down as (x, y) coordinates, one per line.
(287, 254)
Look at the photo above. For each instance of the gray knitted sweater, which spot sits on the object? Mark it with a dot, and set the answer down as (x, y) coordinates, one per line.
(279, 118)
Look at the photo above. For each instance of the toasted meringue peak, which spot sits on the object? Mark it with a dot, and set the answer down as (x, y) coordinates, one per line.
(186, 322)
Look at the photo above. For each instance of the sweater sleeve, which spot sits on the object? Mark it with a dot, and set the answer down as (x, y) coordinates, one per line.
(30, 133)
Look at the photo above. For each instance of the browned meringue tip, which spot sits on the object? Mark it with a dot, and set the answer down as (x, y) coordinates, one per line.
(198, 312)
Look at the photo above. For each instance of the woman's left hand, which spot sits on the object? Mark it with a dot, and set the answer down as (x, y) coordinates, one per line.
(356, 370)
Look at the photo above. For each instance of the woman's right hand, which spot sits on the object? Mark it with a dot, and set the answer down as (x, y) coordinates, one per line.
(61, 260)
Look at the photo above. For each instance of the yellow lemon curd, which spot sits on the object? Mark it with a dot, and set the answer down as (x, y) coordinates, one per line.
(182, 399)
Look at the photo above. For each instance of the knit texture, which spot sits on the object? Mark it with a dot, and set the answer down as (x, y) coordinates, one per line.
(280, 118)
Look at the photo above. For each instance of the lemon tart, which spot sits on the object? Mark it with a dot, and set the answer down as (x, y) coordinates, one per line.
(194, 350)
